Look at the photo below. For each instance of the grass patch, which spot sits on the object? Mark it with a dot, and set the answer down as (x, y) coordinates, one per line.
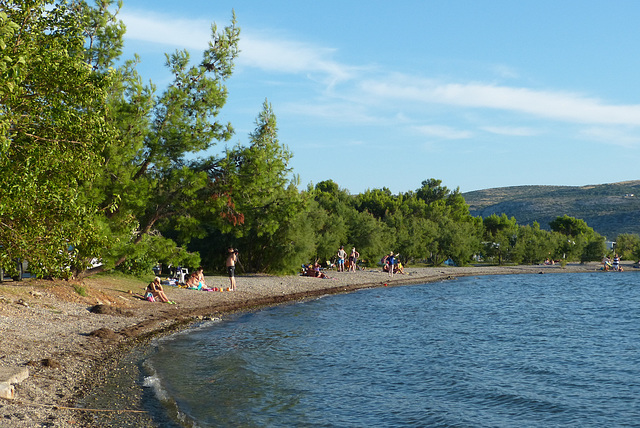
(81, 290)
(117, 281)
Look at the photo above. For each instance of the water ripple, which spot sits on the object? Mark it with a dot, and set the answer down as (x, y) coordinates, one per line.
(503, 351)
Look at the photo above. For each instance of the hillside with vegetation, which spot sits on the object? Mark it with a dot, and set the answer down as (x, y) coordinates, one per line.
(610, 209)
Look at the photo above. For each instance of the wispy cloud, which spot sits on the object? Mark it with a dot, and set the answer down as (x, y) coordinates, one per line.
(268, 52)
(613, 136)
(275, 53)
(444, 132)
(163, 30)
(512, 131)
(505, 71)
(286, 56)
(562, 106)
(336, 112)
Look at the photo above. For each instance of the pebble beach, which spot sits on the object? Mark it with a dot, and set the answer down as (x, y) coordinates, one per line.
(63, 339)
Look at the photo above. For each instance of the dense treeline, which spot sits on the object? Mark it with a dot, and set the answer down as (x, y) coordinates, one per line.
(97, 167)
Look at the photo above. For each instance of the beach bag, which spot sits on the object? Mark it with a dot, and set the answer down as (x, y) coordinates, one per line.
(150, 297)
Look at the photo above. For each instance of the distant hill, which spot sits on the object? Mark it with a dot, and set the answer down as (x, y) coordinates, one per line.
(610, 209)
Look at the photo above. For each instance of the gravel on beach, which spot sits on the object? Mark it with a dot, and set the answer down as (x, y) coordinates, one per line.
(62, 337)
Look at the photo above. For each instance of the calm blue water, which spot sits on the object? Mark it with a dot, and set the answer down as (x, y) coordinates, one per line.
(494, 351)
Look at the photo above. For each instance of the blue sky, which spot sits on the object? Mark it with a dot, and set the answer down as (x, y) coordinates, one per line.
(373, 94)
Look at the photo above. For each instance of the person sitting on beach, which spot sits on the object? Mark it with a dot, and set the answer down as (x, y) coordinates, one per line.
(616, 263)
(192, 282)
(155, 289)
(313, 270)
(399, 268)
(309, 271)
(318, 272)
(200, 278)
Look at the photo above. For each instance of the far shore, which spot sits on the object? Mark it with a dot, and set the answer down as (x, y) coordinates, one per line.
(63, 338)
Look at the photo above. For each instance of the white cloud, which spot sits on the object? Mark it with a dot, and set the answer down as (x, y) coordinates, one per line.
(505, 71)
(334, 112)
(176, 33)
(288, 56)
(444, 132)
(612, 136)
(511, 131)
(562, 106)
(275, 53)
(264, 51)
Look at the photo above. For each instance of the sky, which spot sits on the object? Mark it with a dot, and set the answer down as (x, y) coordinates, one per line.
(372, 94)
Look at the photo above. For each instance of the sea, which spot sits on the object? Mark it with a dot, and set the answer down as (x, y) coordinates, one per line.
(547, 350)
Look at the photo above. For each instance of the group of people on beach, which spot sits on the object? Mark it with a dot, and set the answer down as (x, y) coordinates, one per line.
(391, 263)
(196, 280)
(351, 262)
(314, 270)
(612, 264)
(155, 292)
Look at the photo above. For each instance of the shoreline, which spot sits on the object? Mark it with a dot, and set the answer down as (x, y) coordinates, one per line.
(51, 331)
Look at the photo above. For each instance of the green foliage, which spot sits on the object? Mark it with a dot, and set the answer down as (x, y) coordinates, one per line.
(533, 246)
(500, 235)
(149, 178)
(378, 202)
(153, 249)
(580, 241)
(272, 222)
(51, 128)
(594, 249)
(570, 226)
(96, 164)
(628, 246)
(432, 191)
(368, 235)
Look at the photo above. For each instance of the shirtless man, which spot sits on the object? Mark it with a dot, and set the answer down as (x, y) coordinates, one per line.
(232, 257)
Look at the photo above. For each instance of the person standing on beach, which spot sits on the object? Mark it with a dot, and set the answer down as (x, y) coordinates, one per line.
(353, 259)
(342, 254)
(391, 261)
(232, 257)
